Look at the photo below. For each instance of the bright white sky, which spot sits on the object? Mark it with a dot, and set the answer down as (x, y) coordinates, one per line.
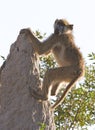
(41, 14)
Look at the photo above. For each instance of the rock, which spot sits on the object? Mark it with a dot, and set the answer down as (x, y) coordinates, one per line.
(18, 109)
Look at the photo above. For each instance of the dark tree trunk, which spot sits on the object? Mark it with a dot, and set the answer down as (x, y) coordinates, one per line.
(18, 109)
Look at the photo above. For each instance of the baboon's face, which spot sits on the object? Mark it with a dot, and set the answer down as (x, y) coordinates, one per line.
(62, 26)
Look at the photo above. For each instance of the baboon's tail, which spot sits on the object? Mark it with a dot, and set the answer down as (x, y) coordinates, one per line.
(69, 86)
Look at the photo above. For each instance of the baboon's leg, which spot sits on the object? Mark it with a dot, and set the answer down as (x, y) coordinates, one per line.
(54, 89)
(54, 75)
(57, 75)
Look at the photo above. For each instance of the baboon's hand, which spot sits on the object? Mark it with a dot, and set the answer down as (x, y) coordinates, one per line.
(26, 31)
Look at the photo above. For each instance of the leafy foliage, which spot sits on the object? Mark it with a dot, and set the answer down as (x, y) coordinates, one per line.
(3, 58)
(46, 63)
(78, 108)
(39, 35)
(43, 126)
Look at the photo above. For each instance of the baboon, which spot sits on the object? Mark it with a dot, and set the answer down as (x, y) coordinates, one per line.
(67, 55)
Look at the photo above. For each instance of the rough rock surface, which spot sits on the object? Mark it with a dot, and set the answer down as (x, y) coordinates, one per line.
(18, 109)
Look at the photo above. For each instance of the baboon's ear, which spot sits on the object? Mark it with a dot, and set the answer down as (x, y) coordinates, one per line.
(56, 21)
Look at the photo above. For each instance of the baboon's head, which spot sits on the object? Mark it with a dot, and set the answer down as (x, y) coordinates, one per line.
(62, 26)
